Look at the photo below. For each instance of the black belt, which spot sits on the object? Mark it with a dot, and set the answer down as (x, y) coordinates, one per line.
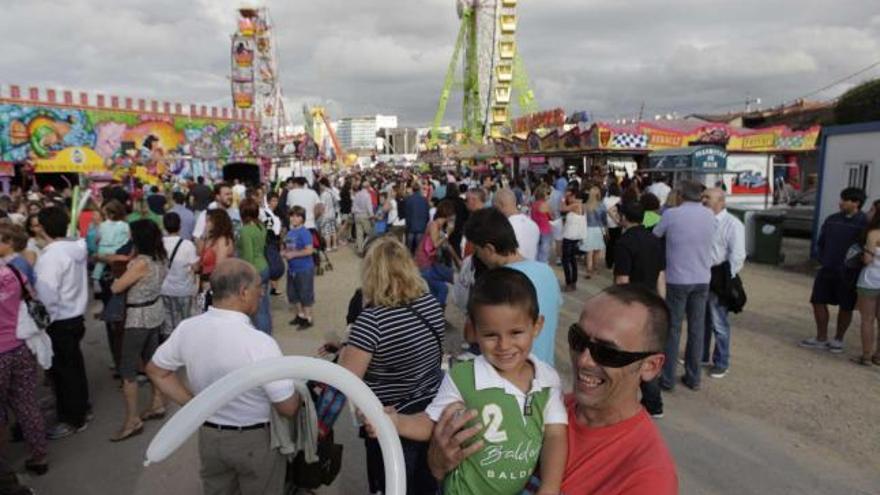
(215, 426)
(143, 304)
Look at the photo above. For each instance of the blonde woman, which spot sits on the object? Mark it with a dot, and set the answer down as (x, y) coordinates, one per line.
(594, 244)
(396, 347)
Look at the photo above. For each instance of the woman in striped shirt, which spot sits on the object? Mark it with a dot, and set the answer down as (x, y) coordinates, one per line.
(396, 347)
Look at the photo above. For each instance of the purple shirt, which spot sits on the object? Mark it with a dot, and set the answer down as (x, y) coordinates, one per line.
(689, 230)
(10, 301)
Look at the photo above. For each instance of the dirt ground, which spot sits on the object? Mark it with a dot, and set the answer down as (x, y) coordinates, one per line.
(784, 420)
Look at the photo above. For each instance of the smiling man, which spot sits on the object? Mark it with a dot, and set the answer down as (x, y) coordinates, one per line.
(613, 446)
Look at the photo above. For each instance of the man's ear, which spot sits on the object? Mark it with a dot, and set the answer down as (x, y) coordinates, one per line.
(651, 367)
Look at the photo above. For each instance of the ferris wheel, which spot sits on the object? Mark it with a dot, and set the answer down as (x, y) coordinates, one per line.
(492, 69)
(255, 81)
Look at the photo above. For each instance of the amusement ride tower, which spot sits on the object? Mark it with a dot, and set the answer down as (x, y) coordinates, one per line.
(491, 70)
(255, 81)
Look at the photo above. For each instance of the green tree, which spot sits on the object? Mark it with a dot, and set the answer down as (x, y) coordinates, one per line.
(860, 104)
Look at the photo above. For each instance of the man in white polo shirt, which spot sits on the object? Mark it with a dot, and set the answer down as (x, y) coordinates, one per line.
(528, 235)
(234, 442)
(303, 196)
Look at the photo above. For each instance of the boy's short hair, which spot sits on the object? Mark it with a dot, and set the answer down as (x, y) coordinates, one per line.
(171, 221)
(853, 194)
(54, 221)
(298, 211)
(632, 211)
(649, 202)
(504, 286)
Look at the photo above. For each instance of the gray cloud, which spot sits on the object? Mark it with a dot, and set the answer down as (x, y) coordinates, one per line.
(390, 56)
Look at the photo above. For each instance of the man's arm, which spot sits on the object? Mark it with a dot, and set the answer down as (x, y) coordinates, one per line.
(661, 284)
(737, 255)
(168, 383)
(445, 451)
(621, 279)
(48, 281)
(288, 407)
(660, 228)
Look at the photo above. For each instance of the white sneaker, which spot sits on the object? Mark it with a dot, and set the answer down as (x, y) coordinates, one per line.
(813, 343)
(835, 346)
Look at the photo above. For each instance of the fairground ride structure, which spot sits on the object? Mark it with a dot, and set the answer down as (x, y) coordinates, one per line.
(317, 122)
(254, 77)
(492, 71)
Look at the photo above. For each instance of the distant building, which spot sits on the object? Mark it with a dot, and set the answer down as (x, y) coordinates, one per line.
(400, 141)
(360, 133)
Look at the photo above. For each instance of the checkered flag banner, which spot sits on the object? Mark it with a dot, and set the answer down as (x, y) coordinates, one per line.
(629, 141)
(790, 142)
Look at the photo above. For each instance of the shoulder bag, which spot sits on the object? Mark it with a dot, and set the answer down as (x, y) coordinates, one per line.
(35, 308)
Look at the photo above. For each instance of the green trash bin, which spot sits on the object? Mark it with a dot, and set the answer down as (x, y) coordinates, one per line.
(768, 237)
(739, 213)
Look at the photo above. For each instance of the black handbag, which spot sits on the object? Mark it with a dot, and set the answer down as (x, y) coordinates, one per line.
(310, 476)
(35, 308)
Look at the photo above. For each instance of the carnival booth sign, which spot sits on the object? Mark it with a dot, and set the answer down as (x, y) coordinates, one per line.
(706, 159)
(73, 160)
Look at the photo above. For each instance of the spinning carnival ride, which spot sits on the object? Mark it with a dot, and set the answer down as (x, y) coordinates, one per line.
(255, 82)
(492, 71)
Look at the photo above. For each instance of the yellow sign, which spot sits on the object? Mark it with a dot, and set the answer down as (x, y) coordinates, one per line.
(660, 139)
(75, 160)
(758, 141)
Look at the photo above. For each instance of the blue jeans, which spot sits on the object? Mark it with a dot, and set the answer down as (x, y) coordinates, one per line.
(690, 301)
(413, 239)
(437, 276)
(545, 244)
(717, 323)
(263, 317)
(652, 397)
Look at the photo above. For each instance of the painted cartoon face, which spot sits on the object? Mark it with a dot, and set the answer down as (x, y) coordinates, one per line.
(109, 138)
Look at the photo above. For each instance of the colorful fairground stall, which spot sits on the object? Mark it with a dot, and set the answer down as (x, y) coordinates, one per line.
(757, 159)
(45, 133)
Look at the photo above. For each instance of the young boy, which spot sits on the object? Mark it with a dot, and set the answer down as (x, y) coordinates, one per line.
(298, 249)
(517, 396)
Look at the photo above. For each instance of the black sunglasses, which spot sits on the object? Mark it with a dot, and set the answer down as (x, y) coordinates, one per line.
(603, 354)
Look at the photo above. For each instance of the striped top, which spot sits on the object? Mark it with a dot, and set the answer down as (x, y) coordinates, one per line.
(405, 367)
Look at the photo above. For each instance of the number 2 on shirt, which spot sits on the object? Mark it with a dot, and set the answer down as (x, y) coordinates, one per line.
(493, 417)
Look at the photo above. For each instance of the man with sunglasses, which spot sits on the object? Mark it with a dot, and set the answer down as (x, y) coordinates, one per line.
(614, 447)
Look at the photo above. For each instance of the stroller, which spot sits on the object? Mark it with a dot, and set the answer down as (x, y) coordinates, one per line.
(322, 260)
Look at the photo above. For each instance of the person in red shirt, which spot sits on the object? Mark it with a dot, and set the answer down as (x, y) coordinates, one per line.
(614, 448)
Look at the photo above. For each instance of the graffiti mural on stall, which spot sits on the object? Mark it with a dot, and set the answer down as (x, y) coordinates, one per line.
(163, 143)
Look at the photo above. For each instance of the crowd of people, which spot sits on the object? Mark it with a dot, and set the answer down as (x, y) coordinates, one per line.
(169, 263)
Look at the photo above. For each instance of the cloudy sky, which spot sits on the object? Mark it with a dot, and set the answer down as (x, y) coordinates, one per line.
(390, 56)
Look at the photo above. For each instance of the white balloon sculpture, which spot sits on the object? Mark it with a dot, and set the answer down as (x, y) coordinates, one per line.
(188, 420)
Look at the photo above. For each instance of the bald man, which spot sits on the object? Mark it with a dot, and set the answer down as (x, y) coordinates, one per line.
(528, 235)
(234, 442)
(613, 446)
(728, 257)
